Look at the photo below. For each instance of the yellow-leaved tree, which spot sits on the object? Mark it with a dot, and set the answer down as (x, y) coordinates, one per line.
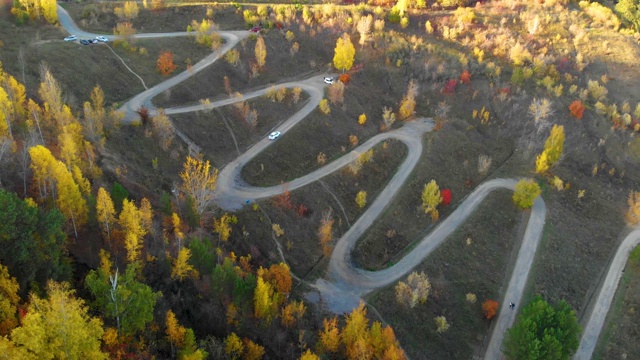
(345, 53)
(105, 213)
(261, 52)
(59, 327)
(408, 105)
(525, 192)
(552, 149)
(181, 268)
(431, 198)
(8, 301)
(51, 174)
(265, 307)
(199, 181)
(130, 221)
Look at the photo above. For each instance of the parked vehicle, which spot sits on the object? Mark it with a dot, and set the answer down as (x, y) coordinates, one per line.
(102, 38)
(71, 38)
(84, 42)
(329, 80)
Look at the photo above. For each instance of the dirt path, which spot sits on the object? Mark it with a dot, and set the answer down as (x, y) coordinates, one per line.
(345, 284)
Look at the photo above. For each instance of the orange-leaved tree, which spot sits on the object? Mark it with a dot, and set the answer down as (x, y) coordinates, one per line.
(165, 63)
(577, 109)
(490, 307)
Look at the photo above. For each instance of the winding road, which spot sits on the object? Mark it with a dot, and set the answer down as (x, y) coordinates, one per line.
(344, 284)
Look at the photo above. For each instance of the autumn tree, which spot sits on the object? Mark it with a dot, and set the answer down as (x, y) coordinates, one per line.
(265, 302)
(24, 10)
(8, 301)
(52, 174)
(223, 227)
(408, 105)
(128, 11)
(364, 28)
(629, 11)
(130, 221)
(525, 192)
(205, 34)
(554, 144)
(431, 198)
(121, 297)
(125, 32)
(165, 64)
(181, 267)
(543, 331)
(233, 346)
(308, 355)
(325, 232)
(252, 351)
(415, 291)
(552, 150)
(59, 327)
(163, 129)
(362, 119)
(632, 216)
(344, 53)
(441, 324)
(105, 213)
(361, 198)
(174, 331)
(279, 276)
(292, 312)
(261, 52)
(577, 109)
(388, 118)
(336, 92)
(324, 107)
(490, 308)
(199, 181)
(95, 117)
(329, 336)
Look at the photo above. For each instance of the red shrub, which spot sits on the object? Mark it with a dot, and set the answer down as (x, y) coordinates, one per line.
(450, 86)
(446, 196)
(577, 109)
(344, 78)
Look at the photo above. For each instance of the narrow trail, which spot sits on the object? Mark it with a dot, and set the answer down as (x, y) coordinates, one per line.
(127, 66)
(344, 284)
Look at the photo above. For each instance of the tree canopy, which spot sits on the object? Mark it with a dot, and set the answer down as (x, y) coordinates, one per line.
(543, 331)
(33, 243)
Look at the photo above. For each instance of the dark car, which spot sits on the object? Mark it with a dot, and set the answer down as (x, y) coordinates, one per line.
(84, 42)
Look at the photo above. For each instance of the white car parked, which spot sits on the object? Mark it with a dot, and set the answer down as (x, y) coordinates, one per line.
(329, 80)
(102, 38)
(274, 135)
(71, 38)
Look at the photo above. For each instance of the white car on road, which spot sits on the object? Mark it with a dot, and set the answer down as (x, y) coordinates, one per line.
(329, 80)
(102, 38)
(71, 38)
(274, 135)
